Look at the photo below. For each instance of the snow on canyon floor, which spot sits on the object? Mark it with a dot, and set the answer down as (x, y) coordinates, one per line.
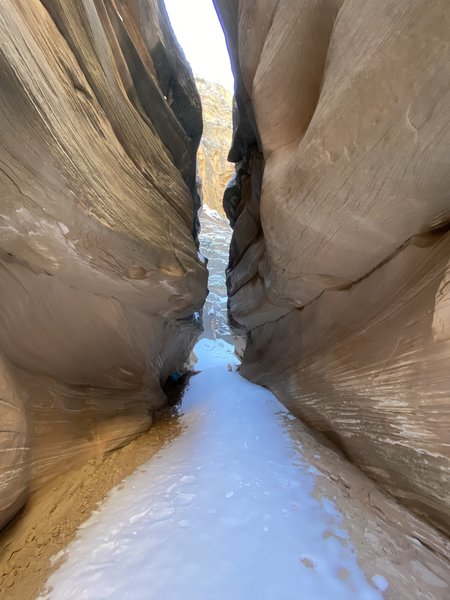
(225, 511)
(245, 503)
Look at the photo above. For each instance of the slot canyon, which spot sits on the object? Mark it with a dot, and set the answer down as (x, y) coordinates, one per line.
(330, 294)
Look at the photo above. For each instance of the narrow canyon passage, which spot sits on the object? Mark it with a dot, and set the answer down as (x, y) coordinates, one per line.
(244, 503)
(310, 141)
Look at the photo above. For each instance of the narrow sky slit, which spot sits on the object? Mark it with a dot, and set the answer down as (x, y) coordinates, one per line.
(200, 34)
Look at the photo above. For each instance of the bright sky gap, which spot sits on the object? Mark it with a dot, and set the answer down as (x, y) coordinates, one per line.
(200, 34)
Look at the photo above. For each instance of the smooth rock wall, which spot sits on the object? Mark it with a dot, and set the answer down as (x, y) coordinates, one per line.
(101, 286)
(339, 265)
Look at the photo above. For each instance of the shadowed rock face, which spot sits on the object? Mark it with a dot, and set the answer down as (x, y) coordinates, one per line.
(340, 260)
(213, 168)
(100, 281)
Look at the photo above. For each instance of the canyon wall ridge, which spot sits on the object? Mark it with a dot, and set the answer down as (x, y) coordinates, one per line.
(340, 260)
(101, 282)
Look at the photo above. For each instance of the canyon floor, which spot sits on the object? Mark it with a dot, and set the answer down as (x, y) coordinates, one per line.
(243, 503)
(224, 511)
(230, 498)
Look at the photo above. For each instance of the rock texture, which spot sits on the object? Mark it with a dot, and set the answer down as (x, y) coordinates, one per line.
(99, 275)
(340, 260)
(213, 168)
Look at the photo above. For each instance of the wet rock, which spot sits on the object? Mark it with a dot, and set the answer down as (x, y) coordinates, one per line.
(99, 126)
(340, 255)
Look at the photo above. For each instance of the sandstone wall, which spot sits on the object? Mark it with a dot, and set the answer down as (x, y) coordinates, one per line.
(99, 276)
(340, 259)
(213, 168)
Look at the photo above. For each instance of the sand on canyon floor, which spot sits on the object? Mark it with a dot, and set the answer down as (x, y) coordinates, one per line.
(50, 519)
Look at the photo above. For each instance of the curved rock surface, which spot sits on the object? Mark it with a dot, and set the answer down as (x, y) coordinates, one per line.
(340, 259)
(213, 168)
(101, 284)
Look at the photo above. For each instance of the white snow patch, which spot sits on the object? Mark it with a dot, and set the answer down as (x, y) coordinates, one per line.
(213, 214)
(64, 228)
(212, 353)
(56, 557)
(380, 582)
(201, 258)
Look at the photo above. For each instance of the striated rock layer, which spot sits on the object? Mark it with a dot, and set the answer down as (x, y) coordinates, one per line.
(213, 168)
(99, 275)
(339, 275)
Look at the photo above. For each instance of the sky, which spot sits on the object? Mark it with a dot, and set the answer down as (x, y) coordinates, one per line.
(200, 34)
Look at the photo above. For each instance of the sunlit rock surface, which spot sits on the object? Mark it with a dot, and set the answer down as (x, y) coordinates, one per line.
(213, 168)
(339, 272)
(100, 279)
